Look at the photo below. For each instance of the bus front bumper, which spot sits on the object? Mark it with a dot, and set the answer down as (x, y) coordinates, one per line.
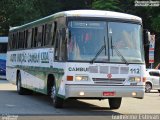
(102, 92)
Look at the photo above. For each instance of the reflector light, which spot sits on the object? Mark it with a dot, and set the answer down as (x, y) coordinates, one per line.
(144, 79)
(69, 78)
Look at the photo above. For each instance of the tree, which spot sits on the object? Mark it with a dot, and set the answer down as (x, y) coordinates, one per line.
(106, 5)
(18, 12)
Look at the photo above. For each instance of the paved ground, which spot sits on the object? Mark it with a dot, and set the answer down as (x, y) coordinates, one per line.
(40, 105)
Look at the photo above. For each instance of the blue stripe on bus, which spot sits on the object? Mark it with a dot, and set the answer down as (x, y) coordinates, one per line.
(2, 67)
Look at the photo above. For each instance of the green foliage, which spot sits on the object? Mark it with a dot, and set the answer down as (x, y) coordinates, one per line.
(18, 12)
(106, 5)
(156, 23)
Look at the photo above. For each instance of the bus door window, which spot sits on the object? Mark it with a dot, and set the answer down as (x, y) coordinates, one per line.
(60, 48)
(73, 46)
(63, 44)
(57, 45)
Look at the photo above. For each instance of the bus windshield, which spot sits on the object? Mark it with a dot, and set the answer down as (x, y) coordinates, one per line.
(86, 38)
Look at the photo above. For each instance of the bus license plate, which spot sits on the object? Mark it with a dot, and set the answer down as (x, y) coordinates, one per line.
(108, 93)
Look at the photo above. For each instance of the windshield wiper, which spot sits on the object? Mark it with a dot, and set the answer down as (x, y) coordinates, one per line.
(99, 52)
(119, 54)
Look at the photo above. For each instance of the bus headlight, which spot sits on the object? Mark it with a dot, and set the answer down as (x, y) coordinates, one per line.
(135, 79)
(81, 78)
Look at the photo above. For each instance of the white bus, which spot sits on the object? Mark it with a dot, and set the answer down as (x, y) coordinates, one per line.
(3, 51)
(79, 54)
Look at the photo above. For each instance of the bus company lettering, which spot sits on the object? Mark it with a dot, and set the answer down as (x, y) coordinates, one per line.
(78, 69)
(21, 57)
(33, 57)
(13, 58)
(44, 57)
(37, 57)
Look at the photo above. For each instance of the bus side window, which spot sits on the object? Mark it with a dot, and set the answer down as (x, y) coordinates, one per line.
(57, 45)
(43, 34)
(35, 37)
(15, 40)
(10, 41)
(21, 39)
(29, 38)
(18, 41)
(24, 41)
(54, 26)
(39, 36)
(32, 43)
(26, 38)
(48, 34)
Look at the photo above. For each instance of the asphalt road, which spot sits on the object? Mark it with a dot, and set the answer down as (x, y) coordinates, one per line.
(40, 105)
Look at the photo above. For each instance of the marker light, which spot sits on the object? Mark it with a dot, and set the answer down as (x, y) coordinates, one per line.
(134, 93)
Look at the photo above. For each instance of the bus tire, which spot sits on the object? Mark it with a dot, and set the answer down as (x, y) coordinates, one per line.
(20, 90)
(57, 101)
(159, 90)
(114, 103)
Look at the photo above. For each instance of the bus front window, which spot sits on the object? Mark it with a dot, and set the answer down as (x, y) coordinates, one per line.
(85, 39)
(99, 41)
(127, 39)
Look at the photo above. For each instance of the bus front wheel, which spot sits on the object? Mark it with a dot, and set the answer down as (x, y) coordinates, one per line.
(57, 101)
(114, 103)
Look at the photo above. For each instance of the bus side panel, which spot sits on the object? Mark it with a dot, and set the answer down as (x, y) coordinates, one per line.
(11, 74)
(34, 80)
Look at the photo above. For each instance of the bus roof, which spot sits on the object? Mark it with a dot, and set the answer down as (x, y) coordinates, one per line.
(81, 13)
(3, 39)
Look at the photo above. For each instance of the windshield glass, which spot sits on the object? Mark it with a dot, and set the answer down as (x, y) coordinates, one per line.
(127, 39)
(87, 38)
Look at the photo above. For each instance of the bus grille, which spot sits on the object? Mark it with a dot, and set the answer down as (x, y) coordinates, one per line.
(112, 81)
(108, 69)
